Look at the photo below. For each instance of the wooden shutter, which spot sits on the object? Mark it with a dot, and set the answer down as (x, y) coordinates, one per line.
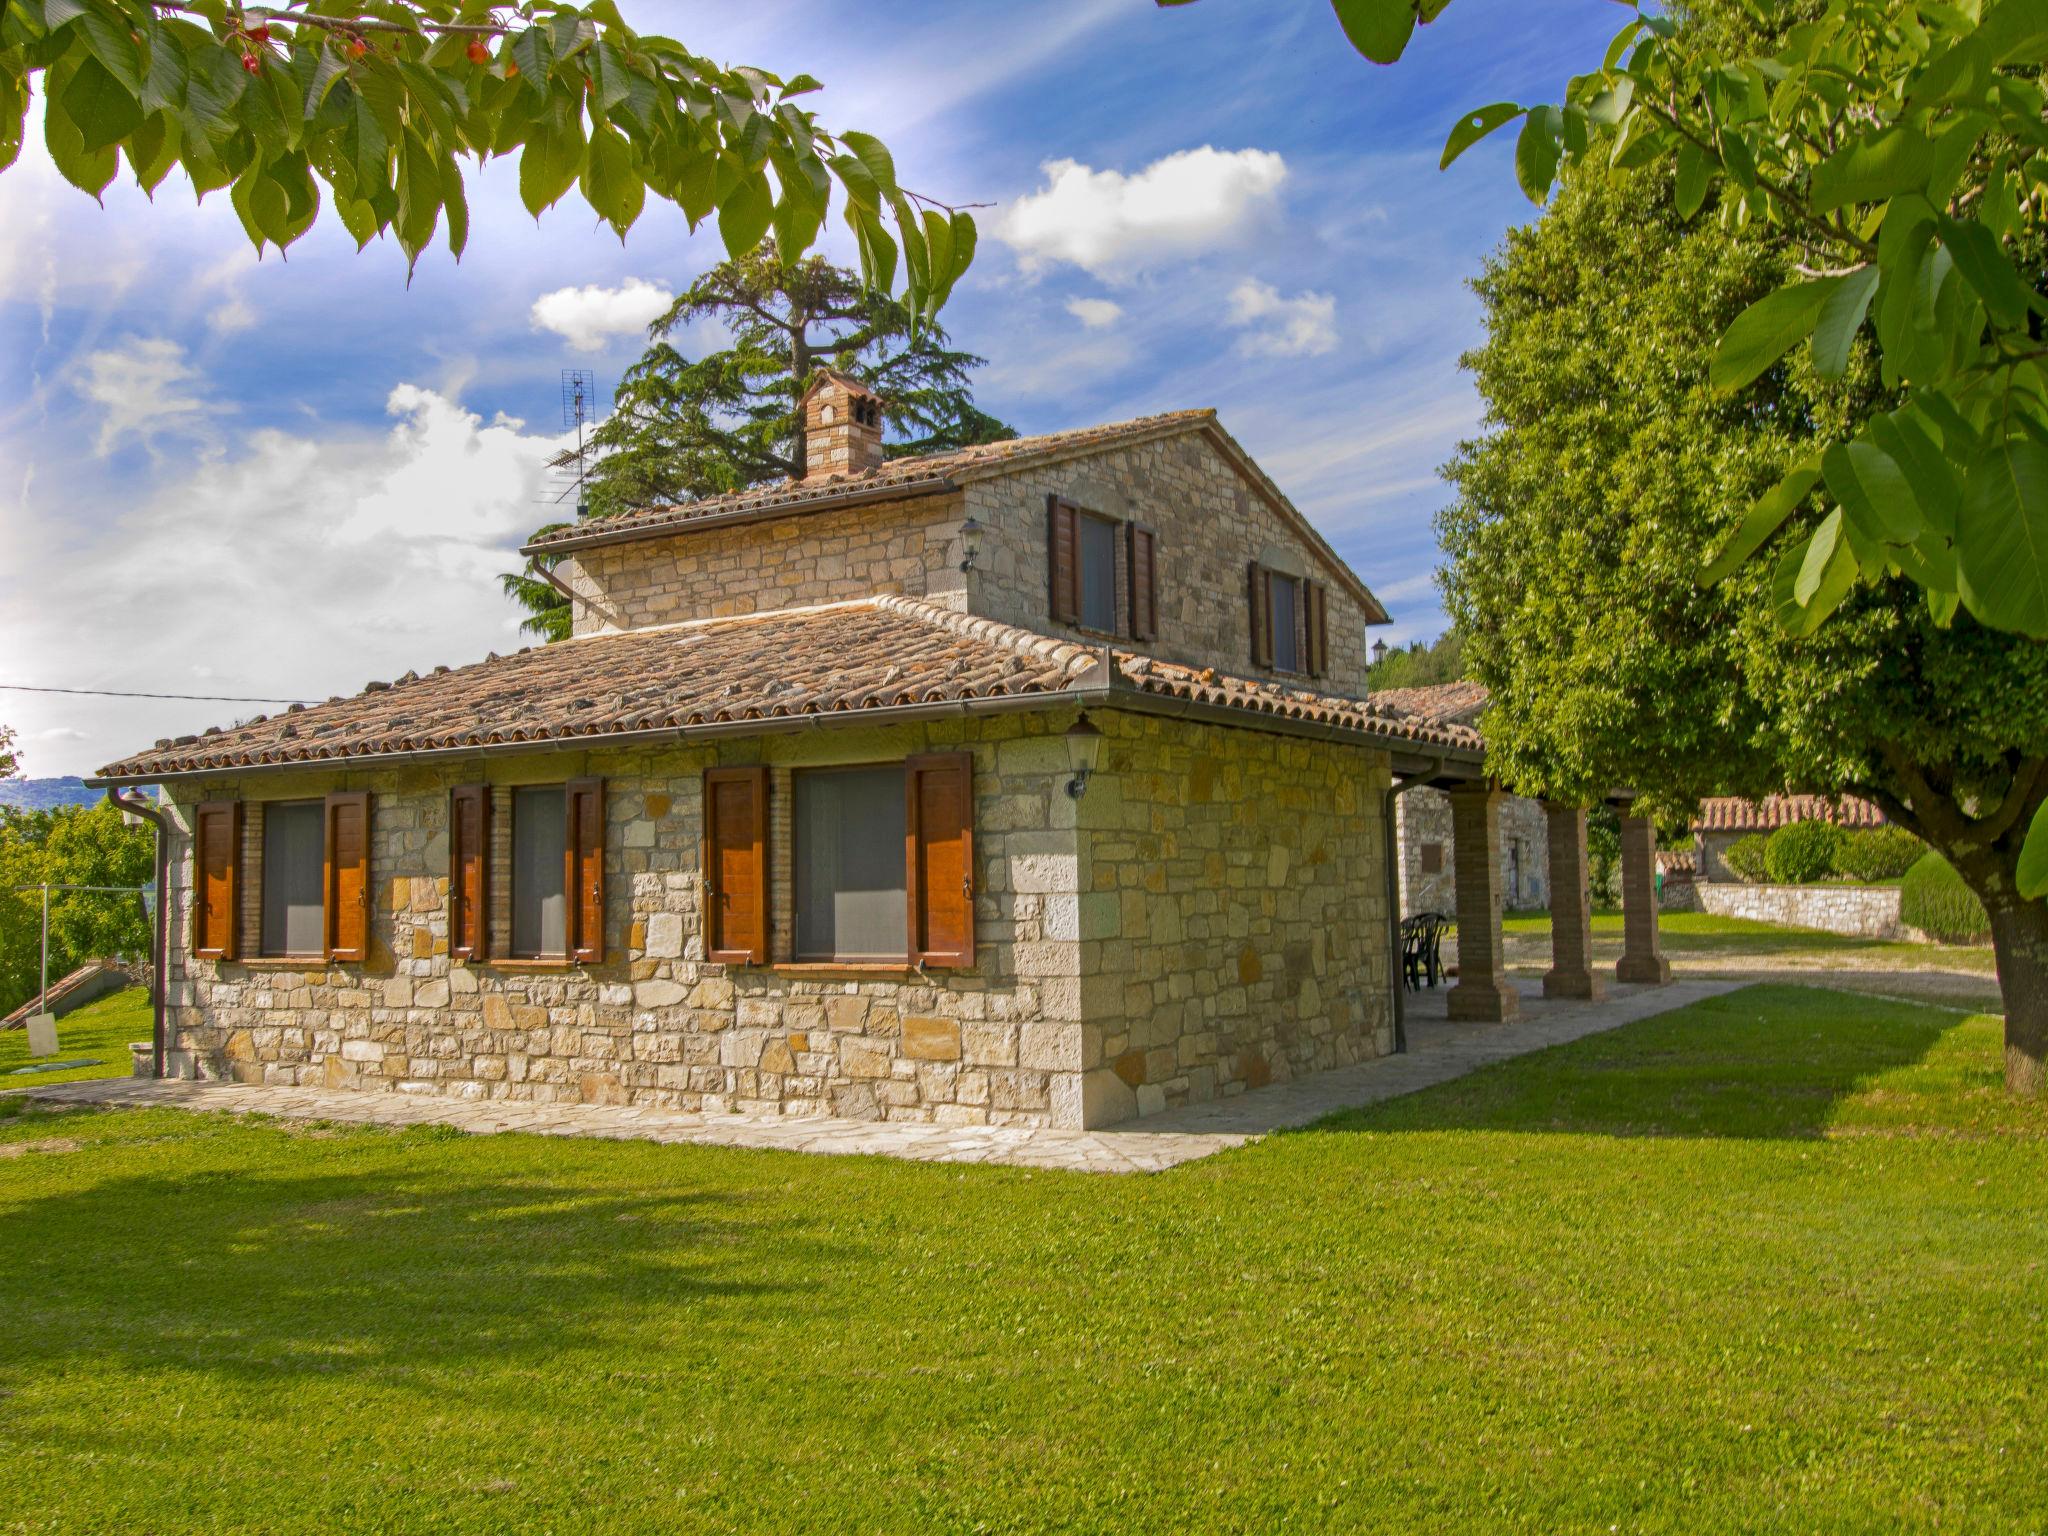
(939, 849)
(1262, 616)
(1144, 568)
(583, 883)
(469, 872)
(216, 878)
(1315, 599)
(345, 885)
(736, 865)
(1063, 558)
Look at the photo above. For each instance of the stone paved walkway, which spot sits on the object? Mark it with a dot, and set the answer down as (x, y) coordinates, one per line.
(1438, 1051)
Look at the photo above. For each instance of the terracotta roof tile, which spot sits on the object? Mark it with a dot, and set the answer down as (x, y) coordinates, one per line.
(904, 473)
(1458, 702)
(880, 653)
(1730, 813)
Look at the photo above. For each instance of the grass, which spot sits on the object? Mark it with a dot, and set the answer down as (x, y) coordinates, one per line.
(1708, 936)
(101, 1028)
(1777, 1260)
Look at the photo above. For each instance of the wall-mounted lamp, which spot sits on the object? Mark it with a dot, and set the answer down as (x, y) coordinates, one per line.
(1084, 751)
(1379, 651)
(970, 543)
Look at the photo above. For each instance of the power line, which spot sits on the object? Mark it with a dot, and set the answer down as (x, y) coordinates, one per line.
(119, 693)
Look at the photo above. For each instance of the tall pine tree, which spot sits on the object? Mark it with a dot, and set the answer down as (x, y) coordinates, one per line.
(683, 427)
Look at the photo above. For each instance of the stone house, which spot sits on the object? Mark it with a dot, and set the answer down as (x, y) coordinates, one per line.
(1031, 783)
(1727, 819)
(1425, 837)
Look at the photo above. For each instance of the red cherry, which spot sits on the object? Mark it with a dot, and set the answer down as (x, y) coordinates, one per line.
(252, 64)
(259, 34)
(511, 70)
(478, 53)
(357, 47)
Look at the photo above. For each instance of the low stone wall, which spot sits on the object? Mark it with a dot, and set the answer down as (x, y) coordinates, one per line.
(1859, 911)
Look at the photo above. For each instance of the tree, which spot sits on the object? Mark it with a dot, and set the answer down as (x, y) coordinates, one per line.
(383, 101)
(681, 428)
(1419, 665)
(1611, 468)
(1900, 147)
(73, 845)
(10, 765)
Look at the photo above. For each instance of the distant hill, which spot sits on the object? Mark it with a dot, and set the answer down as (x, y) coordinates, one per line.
(42, 794)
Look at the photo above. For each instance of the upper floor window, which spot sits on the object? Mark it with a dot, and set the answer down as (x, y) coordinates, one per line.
(1290, 622)
(1104, 572)
(1098, 573)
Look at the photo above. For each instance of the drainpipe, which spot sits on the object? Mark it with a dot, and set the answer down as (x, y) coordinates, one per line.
(162, 937)
(1397, 788)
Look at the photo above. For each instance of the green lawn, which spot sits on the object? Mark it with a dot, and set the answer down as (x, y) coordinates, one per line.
(102, 1028)
(1706, 936)
(1778, 1261)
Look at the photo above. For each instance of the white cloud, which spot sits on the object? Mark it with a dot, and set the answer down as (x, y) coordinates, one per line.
(144, 384)
(293, 565)
(1303, 326)
(1095, 313)
(591, 317)
(1116, 225)
(1055, 372)
(232, 316)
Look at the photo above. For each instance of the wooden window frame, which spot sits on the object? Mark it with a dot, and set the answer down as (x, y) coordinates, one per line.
(1311, 622)
(207, 944)
(261, 852)
(582, 932)
(469, 913)
(1141, 563)
(336, 897)
(711, 863)
(1067, 576)
(835, 960)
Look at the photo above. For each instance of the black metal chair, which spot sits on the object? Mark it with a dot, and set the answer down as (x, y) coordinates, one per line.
(1422, 941)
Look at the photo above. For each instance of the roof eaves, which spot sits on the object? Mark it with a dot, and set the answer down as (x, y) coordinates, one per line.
(765, 510)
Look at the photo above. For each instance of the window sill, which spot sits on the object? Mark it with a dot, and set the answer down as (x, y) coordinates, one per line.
(843, 967)
(522, 963)
(286, 962)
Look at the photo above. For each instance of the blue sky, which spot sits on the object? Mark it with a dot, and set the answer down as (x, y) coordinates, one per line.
(285, 478)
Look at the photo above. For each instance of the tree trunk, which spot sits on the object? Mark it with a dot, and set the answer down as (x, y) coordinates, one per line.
(2019, 938)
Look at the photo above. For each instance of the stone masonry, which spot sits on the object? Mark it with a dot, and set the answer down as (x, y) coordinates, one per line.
(1429, 880)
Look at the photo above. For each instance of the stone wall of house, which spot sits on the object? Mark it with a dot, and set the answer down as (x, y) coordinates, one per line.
(1429, 881)
(655, 1023)
(1859, 911)
(1211, 524)
(1712, 848)
(911, 548)
(1233, 913)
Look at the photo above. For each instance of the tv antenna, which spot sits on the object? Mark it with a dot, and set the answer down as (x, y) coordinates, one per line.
(572, 465)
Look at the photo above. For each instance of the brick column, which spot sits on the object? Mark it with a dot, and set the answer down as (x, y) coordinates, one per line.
(1483, 992)
(1571, 907)
(1639, 958)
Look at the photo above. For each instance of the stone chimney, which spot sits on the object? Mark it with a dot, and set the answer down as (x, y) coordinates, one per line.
(842, 427)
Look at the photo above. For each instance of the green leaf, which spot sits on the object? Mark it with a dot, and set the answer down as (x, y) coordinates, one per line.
(610, 183)
(1873, 491)
(1474, 126)
(1841, 317)
(871, 153)
(456, 205)
(747, 212)
(1766, 331)
(1820, 551)
(1874, 169)
(89, 170)
(1536, 154)
(553, 156)
(2002, 536)
(1765, 516)
(1935, 481)
(101, 107)
(1800, 617)
(2032, 874)
(13, 117)
(112, 42)
(153, 149)
(1379, 29)
(1981, 259)
(1695, 173)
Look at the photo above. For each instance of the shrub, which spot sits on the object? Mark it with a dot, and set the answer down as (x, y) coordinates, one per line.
(1745, 858)
(1803, 852)
(1879, 853)
(1934, 899)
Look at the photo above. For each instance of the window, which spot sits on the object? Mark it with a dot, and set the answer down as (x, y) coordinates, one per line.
(1283, 594)
(540, 899)
(1098, 573)
(294, 863)
(851, 893)
(1432, 858)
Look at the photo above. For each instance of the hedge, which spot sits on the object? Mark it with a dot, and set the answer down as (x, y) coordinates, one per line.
(1879, 853)
(1934, 899)
(1803, 852)
(1745, 858)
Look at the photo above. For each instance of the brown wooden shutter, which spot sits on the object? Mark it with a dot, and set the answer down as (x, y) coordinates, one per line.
(469, 872)
(736, 865)
(939, 849)
(1144, 567)
(1262, 616)
(216, 878)
(1063, 558)
(584, 880)
(1315, 599)
(345, 888)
